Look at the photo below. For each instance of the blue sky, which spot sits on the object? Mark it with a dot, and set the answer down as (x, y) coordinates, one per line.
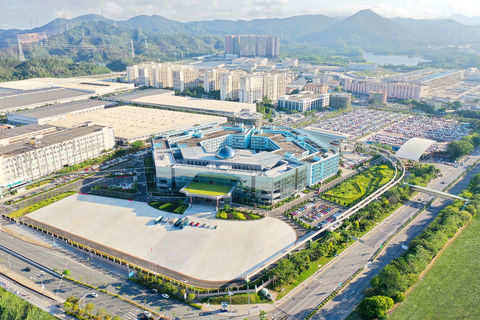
(22, 13)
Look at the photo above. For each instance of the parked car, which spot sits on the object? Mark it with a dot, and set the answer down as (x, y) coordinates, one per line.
(93, 294)
(166, 296)
(154, 290)
(148, 314)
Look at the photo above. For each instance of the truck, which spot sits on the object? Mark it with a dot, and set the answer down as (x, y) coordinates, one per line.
(184, 223)
(267, 294)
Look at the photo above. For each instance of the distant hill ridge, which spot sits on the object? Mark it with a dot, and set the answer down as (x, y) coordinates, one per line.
(365, 29)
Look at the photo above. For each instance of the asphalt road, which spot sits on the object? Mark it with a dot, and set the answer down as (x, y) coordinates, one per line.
(64, 288)
(100, 274)
(299, 304)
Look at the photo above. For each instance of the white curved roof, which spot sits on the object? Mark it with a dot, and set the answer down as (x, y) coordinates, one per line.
(414, 148)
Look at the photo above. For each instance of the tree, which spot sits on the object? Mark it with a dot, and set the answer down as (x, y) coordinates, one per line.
(457, 104)
(456, 149)
(263, 315)
(89, 307)
(116, 318)
(101, 313)
(191, 296)
(67, 272)
(81, 312)
(67, 305)
(355, 225)
(375, 306)
(138, 145)
(182, 293)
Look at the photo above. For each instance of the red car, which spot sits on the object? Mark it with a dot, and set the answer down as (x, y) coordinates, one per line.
(198, 223)
(192, 223)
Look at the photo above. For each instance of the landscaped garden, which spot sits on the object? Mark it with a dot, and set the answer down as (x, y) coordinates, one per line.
(229, 213)
(172, 207)
(208, 189)
(356, 188)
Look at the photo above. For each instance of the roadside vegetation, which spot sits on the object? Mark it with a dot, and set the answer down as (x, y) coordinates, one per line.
(14, 307)
(255, 298)
(208, 189)
(172, 207)
(404, 272)
(292, 271)
(358, 187)
(24, 211)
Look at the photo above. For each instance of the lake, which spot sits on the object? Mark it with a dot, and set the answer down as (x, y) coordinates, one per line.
(395, 60)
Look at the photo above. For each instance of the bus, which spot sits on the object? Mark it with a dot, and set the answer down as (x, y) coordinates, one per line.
(184, 223)
(158, 220)
(178, 222)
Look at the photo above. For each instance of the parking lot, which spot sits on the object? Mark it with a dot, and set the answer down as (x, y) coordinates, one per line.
(318, 213)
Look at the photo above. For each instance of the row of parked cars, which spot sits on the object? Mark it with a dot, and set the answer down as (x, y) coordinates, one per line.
(332, 218)
(318, 212)
(303, 208)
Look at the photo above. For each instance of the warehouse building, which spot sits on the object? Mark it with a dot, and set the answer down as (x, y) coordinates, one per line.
(36, 98)
(32, 152)
(44, 115)
(261, 165)
(304, 101)
(135, 123)
(165, 99)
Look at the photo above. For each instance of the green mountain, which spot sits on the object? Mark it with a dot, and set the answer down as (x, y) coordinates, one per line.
(439, 32)
(292, 28)
(98, 41)
(363, 29)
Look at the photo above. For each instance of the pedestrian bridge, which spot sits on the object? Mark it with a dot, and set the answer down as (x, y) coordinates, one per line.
(435, 192)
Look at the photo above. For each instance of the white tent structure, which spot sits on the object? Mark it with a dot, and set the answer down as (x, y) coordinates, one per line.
(414, 148)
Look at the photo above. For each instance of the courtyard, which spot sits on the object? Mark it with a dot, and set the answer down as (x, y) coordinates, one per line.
(225, 253)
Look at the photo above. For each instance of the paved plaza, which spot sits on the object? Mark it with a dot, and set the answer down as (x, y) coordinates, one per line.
(225, 253)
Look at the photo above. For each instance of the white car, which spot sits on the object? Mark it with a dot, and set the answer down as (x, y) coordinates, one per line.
(148, 314)
(166, 296)
(93, 294)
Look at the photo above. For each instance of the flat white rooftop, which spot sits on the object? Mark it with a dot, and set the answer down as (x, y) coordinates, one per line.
(211, 254)
(130, 122)
(162, 98)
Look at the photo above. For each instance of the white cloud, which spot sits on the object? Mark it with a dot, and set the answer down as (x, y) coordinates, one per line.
(17, 13)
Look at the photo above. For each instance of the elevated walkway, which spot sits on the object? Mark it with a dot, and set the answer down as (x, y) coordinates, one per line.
(435, 192)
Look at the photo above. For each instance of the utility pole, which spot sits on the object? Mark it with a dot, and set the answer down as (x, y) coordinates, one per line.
(133, 52)
(21, 56)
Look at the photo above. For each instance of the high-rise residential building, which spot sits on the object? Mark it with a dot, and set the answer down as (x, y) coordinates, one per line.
(132, 74)
(230, 84)
(185, 77)
(163, 76)
(251, 88)
(316, 87)
(248, 46)
(340, 100)
(252, 45)
(281, 84)
(270, 86)
(211, 79)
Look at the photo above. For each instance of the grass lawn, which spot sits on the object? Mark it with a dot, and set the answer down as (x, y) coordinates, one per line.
(208, 189)
(148, 161)
(450, 288)
(21, 212)
(172, 207)
(349, 191)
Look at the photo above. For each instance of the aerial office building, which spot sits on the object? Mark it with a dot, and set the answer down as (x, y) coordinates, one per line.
(253, 45)
(33, 151)
(304, 101)
(261, 165)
